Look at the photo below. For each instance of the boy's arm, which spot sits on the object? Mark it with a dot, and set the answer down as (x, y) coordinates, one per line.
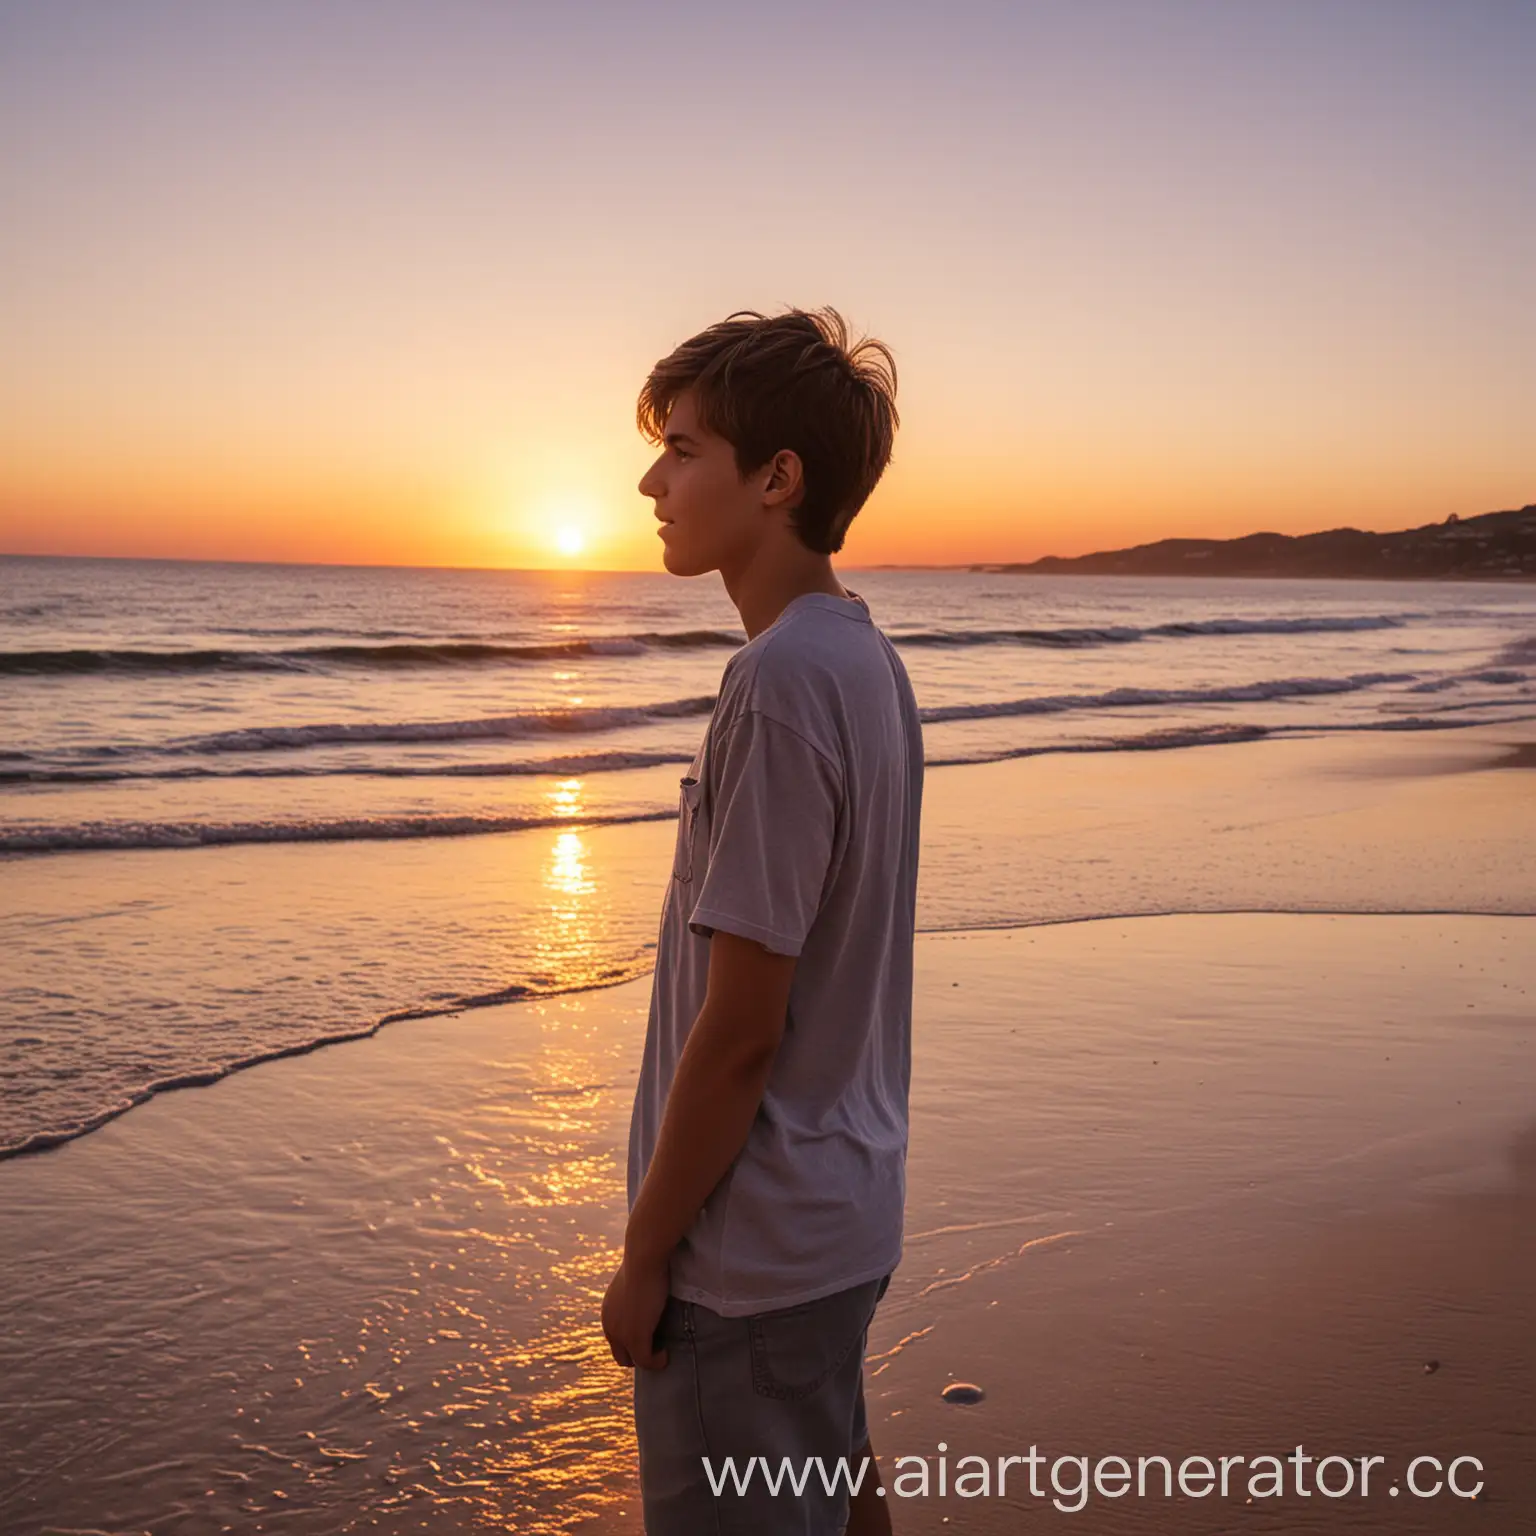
(713, 1101)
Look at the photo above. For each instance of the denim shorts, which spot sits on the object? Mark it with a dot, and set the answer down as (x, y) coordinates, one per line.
(775, 1385)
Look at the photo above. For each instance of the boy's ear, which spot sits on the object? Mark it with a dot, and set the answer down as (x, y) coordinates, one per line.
(786, 476)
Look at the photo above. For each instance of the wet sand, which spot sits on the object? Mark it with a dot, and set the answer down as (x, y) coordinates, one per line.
(1189, 1185)
(1521, 756)
(1293, 1162)
(1184, 1185)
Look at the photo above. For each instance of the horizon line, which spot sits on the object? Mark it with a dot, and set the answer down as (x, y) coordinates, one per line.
(523, 570)
(586, 570)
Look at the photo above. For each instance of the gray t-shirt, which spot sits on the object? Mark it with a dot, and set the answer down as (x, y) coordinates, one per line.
(798, 828)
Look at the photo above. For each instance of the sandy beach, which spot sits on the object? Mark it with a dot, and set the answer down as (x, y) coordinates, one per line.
(1189, 1183)
(1037, 501)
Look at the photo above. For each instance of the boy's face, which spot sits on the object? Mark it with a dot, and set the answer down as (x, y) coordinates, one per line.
(711, 518)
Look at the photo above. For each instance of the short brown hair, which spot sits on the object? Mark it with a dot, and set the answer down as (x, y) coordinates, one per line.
(790, 381)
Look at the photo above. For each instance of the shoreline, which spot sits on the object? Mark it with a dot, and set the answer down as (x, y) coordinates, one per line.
(1330, 795)
(47, 1141)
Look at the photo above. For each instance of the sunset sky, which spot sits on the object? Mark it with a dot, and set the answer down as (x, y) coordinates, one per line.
(378, 282)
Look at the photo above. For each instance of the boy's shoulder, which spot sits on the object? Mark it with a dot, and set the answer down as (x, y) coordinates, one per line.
(813, 647)
(798, 672)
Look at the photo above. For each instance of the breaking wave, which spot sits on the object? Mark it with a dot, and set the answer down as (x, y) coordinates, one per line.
(99, 836)
(1122, 698)
(419, 653)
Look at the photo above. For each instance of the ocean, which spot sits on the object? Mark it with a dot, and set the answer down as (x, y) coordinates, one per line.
(248, 809)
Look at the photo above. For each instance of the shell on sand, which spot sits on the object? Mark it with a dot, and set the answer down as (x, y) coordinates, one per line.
(962, 1392)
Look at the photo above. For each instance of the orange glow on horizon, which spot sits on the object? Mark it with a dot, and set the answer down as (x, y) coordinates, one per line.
(907, 522)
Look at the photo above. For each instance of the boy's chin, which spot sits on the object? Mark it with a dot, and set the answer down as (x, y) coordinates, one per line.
(680, 562)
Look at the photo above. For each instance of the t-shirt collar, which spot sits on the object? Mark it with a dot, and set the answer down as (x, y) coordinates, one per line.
(853, 606)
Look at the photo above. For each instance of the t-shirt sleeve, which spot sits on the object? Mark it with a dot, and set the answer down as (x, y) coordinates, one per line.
(774, 809)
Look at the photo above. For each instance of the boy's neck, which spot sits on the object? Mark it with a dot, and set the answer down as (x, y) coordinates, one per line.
(774, 578)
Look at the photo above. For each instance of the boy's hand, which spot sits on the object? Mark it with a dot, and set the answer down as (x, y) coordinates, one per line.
(632, 1308)
(715, 1095)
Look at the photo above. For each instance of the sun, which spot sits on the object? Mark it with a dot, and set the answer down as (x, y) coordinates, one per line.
(563, 529)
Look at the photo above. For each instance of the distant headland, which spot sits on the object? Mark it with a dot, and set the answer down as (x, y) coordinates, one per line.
(1497, 544)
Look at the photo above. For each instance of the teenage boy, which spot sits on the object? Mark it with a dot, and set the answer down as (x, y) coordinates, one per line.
(767, 1150)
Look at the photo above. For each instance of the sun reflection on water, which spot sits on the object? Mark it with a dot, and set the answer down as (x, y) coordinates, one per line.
(565, 799)
(483, 1384)
(565, 941)
(478, 1384)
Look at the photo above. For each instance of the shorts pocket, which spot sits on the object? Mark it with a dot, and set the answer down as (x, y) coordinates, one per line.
(675, 1325)
(691, 790)
(797, 1350)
